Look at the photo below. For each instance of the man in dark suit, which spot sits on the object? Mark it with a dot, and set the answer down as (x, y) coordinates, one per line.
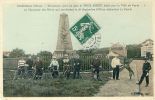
(96, 67)
(77, 65)
(145, 74)
(39, 68)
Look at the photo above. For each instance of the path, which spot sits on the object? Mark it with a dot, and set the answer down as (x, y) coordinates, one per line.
(125, 86)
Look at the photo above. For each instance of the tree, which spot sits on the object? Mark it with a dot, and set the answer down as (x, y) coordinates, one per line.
(133, 51)
(15, 53)
(45, 57)
(44, 54)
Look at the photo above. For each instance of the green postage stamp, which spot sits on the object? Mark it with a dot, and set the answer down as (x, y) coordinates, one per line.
(85, 28)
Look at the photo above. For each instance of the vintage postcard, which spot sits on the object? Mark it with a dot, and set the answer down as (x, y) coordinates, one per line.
(77, 49)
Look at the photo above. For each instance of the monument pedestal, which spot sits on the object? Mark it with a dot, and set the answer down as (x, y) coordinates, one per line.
(64, 43)
(60, 54)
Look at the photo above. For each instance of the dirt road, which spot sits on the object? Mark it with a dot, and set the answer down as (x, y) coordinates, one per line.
(125, 86)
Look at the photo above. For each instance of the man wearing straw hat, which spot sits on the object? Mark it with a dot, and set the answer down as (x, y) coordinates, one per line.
(54, 66)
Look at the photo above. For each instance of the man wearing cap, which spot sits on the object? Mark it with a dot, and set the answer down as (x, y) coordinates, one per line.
(77, 65)
(96, 67)
(145, 74)
(66, 66)
(54, 65)
(115, 63)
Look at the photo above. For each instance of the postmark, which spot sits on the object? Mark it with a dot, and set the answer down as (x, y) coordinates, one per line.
(86, 32)
(93, 42)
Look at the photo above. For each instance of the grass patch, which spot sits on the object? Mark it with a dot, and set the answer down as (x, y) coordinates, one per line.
(54, 87)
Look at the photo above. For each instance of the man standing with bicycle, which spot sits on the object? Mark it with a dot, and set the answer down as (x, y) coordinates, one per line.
(96, 67)
(77, 65)
(39, 69)
(66, 66)
(20, 69)
(54, 67)
(29, 62)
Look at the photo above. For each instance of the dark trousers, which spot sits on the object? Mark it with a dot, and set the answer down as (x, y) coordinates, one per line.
(146, 78)
(21, 72)
(29, 68)
(30, 73)
(96, 70)
(55, 73)
(39, 73)
(76, 70)
(67, 73)
(116, 72)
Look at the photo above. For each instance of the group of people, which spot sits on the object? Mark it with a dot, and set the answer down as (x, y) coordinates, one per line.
(116, 65)
(95, 66)
(28, 67)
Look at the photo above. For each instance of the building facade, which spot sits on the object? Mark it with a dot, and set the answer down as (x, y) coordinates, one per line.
(117, 50)
(147, 48)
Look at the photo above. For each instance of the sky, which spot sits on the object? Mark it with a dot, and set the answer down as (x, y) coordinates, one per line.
(35, 31)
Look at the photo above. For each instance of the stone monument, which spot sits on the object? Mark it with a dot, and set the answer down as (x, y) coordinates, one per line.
(64, 43)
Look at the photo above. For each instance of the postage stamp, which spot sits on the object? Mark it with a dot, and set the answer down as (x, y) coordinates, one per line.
(85, 28)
